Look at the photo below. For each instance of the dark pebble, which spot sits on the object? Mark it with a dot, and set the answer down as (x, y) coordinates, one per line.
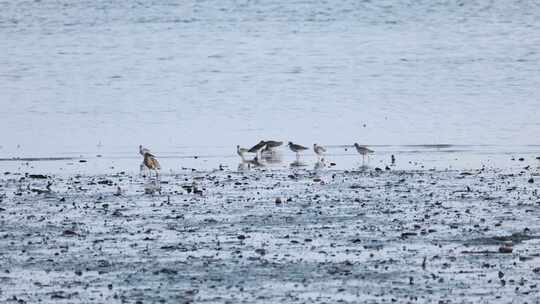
(69, 232)
(506, 249)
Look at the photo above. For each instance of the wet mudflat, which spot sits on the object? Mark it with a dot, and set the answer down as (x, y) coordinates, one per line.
(280, 236)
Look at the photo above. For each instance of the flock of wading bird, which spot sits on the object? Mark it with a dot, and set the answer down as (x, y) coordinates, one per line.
(264, 150)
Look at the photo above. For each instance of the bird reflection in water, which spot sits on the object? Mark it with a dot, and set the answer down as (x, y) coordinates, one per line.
(265, 153)
(272, 157)
(250, 163)
(320, 164)
(298, 163)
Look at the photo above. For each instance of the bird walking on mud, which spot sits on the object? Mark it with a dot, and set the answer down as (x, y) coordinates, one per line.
(149, 161)
(296, 148)
(319, 150)
(364, 151)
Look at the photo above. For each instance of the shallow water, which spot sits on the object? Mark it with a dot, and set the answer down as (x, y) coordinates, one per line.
(102, 77)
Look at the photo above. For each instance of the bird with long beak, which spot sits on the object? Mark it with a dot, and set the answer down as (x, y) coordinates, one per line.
(296, 148)
(364, 151)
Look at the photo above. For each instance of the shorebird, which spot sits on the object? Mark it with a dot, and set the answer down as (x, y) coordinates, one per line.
(143, 151)
(151, 163)
(363, 150)
(271, 145)
(296, 149)
(258, 147)
(319, 150)
(241, 151)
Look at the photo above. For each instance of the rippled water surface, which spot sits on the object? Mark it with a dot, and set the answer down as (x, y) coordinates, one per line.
(83, 76)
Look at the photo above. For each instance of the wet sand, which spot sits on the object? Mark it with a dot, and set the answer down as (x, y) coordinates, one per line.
(280, 236)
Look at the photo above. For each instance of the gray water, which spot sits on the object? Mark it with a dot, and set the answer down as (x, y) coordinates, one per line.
(80, 77)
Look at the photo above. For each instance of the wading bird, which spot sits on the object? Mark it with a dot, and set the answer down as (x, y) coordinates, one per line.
(254, 162)
(296, 148)
(363, 150)
(149, 161)
(152, 164)
(241, 152)
(258, 147)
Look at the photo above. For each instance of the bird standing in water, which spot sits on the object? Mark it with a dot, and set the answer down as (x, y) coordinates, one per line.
(364, 151)
(258, 147)
(149, 161)
(296, 148)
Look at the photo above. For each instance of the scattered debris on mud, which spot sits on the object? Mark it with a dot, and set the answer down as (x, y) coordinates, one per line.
(271, 236)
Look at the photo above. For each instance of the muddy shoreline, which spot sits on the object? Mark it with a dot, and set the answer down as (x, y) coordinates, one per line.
(281, 236)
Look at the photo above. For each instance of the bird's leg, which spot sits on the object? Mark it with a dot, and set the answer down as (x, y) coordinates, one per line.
(297, 157)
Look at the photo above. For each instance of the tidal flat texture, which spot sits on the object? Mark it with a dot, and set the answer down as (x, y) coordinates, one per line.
(280, 236)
